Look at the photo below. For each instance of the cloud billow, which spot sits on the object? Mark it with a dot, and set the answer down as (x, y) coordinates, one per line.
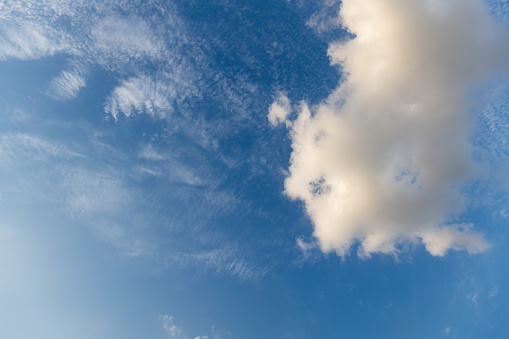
(383, 161)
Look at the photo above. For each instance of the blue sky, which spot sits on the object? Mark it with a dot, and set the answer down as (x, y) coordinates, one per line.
(263, 169)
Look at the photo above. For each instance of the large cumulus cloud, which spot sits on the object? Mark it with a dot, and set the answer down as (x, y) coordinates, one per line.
(384, 160)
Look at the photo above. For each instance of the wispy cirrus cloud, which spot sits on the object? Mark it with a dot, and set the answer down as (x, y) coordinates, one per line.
(106, 194)
(123, 38)
(140, 95)
(28, 41)
(223, 261)
(157, 66)
(174, 331)
(383, 161)
(26, 34)
(19, 148)
(144, 94)
(326, 19)
(111, 35)
(493, 132)
(67, 85)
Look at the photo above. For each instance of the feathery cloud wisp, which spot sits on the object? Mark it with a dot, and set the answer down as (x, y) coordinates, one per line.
(107, 38)
(144, 94)
(67, 85)
(126, 38)
(138, 95)
(383, 161)
(29, 41)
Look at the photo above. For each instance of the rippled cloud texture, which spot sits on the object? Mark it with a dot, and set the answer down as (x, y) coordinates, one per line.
(384, 160)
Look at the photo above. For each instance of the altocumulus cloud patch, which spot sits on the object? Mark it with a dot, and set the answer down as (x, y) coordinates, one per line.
(383, 160)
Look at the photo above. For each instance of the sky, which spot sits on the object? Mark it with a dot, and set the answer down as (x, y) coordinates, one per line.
(254, 169)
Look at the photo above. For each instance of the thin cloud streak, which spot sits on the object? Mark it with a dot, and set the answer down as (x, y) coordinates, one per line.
(223, 261)
(107, 196)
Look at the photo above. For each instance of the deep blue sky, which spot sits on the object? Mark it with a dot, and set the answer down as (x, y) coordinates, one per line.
(143, 192)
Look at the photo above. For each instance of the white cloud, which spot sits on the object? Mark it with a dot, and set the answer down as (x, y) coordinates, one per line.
(493, 135)
(493, 292)
(126, 38)
(172, 330)
(279, 109)
(28, 41)
(457, 237)
(326, 19)
(140, 95)
(20, 147)
(186, 175)
(304, 246)
(173, 168)
(383, 161)
(149, 153)
(153, 171)
(221, 261)
(144, 94)
(105, 194)
(67, 85)
(97, 33)
(91, 192)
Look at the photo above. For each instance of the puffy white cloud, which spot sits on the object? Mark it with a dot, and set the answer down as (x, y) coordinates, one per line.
(279, 109)
(458, 237)
(382, 162)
